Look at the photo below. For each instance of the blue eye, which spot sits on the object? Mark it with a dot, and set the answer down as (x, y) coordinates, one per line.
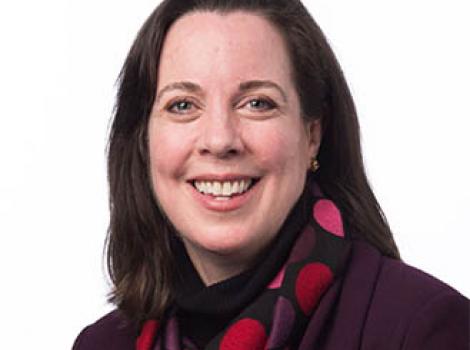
(261, 104)
(182, 106)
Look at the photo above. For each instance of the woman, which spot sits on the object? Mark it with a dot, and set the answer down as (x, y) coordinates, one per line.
(241, 216)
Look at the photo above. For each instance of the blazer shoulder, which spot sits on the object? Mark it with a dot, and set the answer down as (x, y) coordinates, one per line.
(111, 331)
(393, 279)
(415, 310)
(440, 323)
(396, 272)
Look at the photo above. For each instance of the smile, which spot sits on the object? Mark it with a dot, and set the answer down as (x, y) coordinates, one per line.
(224, 190)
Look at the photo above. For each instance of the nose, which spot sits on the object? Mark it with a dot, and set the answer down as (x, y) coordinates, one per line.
(220, 134)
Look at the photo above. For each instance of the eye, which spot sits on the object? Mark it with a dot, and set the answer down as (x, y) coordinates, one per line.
(181, 107)
(260, 104)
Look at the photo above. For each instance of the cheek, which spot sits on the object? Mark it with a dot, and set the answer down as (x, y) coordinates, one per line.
(280, 149)
(168, 149)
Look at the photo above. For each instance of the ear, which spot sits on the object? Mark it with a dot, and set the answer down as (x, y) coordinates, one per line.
(314, 134)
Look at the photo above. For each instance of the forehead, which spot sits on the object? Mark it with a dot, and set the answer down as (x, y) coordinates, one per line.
(204, 46)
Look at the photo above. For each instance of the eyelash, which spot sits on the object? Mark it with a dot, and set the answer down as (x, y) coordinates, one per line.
(173, 105)
(267, 103)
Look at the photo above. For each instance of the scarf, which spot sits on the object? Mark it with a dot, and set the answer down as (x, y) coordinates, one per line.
(275, 314)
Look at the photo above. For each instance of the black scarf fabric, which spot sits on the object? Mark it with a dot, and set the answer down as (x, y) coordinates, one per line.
(267, 307)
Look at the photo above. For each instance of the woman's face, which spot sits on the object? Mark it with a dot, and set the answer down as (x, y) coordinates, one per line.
(229, 151)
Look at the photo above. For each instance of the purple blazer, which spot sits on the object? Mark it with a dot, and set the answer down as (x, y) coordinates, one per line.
(379, 303)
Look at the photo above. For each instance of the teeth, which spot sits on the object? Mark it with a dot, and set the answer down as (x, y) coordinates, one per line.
(216, 188)
(226, 189)
(235, 187)
(245, 185)
(223, 188)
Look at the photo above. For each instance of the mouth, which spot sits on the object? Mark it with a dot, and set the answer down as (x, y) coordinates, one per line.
(226, 189)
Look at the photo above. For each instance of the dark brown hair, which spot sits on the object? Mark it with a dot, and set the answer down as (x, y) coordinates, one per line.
(138, 250)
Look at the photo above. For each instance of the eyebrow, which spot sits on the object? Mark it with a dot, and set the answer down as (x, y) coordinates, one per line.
(180, 85)
(256, 84)
(243, 87)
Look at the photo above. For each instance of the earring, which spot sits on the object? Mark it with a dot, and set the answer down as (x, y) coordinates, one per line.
(314, 165)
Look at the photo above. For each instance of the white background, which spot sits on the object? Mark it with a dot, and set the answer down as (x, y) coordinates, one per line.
(408, 66)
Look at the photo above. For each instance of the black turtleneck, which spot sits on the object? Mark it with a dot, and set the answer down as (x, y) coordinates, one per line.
(204, 311)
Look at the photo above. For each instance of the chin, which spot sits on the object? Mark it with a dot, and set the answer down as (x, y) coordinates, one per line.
(230, 243)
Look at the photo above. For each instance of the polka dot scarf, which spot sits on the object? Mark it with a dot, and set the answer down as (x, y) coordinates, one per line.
(278, 317)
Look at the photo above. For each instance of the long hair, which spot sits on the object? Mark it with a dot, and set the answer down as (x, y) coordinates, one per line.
(139, 257)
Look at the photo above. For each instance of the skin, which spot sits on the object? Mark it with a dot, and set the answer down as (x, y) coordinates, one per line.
(219, 124)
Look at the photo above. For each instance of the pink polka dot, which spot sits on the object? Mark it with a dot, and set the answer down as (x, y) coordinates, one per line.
(246, 334)
(310, 285)
(277, 281)
(145, 339)
(328, 217)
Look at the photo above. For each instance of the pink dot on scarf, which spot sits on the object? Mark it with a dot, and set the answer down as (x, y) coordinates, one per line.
(328, 217)
(145, 339)
(246, 334)
(277, 281)
(311, 283)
